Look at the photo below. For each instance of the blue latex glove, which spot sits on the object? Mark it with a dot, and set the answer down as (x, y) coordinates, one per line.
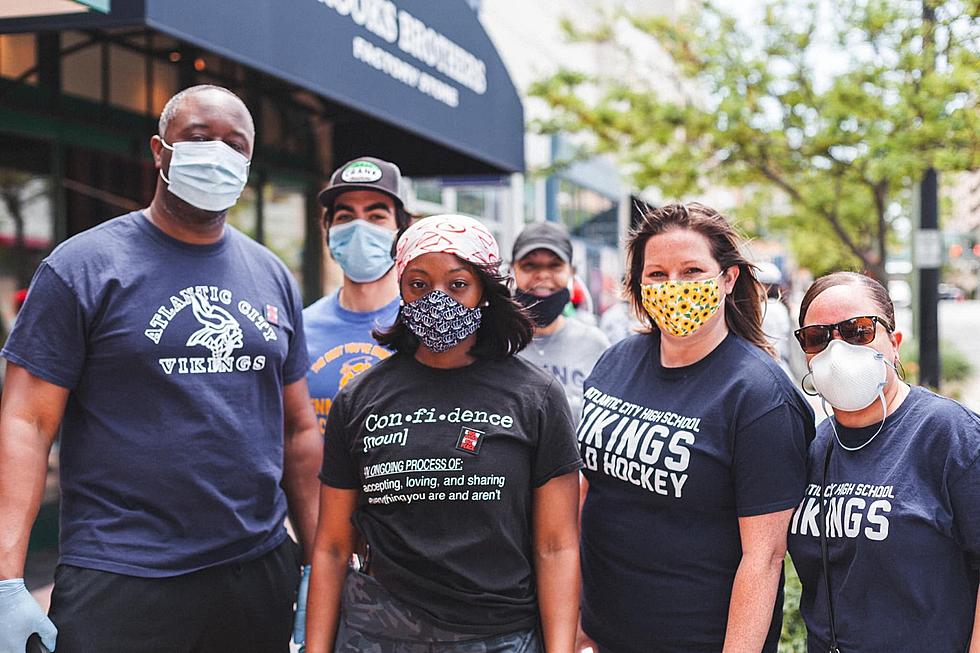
(20, 615)
(299, 623)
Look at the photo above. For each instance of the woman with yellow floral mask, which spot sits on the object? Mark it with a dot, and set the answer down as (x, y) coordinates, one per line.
(694, 442)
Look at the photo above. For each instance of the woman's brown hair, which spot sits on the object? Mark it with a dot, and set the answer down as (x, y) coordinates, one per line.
(743, 307)
(878, 293)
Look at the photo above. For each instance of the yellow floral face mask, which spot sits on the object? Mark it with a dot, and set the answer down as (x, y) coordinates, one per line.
(681, 307)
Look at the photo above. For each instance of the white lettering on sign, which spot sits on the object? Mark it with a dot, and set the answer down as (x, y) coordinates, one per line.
(404, 72)
(385, 20)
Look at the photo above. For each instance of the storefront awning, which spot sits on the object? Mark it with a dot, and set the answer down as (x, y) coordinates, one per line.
(410, 66)
(21, 8)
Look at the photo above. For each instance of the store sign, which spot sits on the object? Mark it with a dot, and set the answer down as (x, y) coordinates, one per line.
(417, 67)
(98, 5)
(927, 247)
(422, 45)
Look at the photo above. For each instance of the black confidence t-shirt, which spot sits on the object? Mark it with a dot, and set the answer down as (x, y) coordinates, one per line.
(446, 461)
(903, 536)
(674, 456)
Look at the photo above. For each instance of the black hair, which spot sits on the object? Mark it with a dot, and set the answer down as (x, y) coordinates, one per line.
(505, 327)
(402, 217)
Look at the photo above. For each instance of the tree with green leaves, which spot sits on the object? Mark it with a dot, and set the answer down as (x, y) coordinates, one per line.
(753, 108)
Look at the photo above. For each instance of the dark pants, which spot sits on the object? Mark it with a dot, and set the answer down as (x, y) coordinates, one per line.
(243, 607)
(373, 621)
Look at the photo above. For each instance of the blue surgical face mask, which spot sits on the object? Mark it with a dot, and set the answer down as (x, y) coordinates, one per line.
(362, 249)
(207, 174)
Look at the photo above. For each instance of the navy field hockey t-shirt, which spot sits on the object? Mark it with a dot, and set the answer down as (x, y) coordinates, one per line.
(674, 457)
(175, 356)
(903, 531)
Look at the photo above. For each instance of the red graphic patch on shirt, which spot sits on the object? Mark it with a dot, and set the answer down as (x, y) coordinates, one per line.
(470, 440)
(272, 314)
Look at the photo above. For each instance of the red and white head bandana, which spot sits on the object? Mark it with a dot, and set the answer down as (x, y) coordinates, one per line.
(450, 234)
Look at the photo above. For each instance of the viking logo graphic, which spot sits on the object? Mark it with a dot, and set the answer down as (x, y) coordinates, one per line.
(353, 367)
(220, 333)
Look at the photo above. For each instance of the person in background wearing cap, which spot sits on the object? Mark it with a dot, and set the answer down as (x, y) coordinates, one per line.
(363, 211)
(776, 322)
(456, 461)
(167, 349)
(542, 264)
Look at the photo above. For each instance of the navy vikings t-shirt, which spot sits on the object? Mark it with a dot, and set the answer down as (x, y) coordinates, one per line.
(176, 356)
(903, 531)
(673, 457)
(446, 461)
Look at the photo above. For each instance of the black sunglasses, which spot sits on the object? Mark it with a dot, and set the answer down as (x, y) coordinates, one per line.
(856, 331)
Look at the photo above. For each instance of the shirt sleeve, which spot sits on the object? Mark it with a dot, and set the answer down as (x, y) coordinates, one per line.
(49, 335)
(557, 451)
(339, 468)
(965, 497)
(297, 359)
(769, 462)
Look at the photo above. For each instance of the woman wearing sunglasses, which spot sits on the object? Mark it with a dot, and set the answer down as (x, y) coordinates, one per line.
(694, 442)
(456, 462)
(888, 557)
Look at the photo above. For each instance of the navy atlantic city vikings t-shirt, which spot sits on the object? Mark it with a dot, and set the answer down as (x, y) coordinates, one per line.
(674, 457)
(903, 531)
(175, 356)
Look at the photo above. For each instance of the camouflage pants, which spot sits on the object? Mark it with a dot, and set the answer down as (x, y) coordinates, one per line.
(373, 621)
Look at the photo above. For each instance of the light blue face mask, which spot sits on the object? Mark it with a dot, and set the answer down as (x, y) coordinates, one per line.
(207, 174)
(362, 249)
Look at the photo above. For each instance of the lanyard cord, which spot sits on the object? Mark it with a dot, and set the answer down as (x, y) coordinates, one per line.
(822, 525)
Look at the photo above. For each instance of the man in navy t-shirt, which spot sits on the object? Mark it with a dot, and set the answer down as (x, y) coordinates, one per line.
(169, 347)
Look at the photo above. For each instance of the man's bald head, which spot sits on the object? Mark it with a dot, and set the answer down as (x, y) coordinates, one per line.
(172, 107)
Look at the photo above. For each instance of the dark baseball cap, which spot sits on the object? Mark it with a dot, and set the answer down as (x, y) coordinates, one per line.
(551, 236)
(364, 173)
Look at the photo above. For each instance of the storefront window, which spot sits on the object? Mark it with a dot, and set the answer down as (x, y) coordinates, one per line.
(165, 83)
(427, 190)
(26, 234)
(244, 215)
(587, 214)
(473, 202)
(284, 229)
(127, 79)
(18, 55)
(165, 77)
(81, 71)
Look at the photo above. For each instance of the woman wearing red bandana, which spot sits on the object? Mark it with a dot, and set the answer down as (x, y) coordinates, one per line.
(694, 442)
(456, 462)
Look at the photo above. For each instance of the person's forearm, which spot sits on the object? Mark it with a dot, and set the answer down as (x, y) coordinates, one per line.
(558, 581)
(753, 596)
(323, 604)
(975, 640)
(23, 469)
(303, 455)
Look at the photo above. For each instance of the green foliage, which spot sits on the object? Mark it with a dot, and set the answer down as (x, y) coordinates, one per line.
(954, 366)
(745, 111)
(793, 637)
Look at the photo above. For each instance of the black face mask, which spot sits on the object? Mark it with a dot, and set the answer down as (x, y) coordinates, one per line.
(543, 310)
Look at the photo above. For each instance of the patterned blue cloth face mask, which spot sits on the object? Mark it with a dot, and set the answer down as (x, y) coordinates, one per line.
(440, 321)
